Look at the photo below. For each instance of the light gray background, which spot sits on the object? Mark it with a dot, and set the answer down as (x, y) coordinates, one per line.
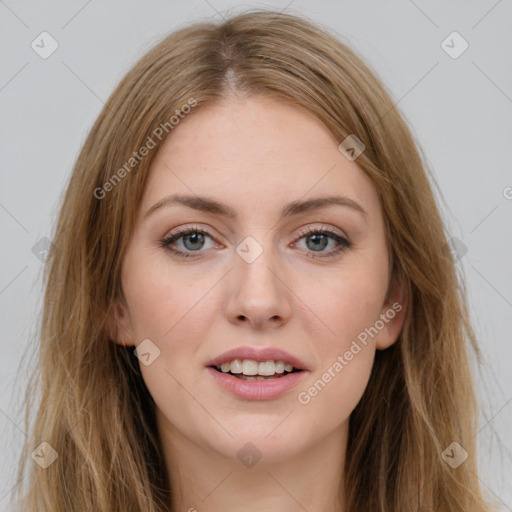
(459, 110)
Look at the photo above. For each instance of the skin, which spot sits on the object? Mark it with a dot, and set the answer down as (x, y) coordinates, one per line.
(256, 155)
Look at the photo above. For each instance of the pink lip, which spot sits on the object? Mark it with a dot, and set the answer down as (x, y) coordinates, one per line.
(256, 389)
(259, 355)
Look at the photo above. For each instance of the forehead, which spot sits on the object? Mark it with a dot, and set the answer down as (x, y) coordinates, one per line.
(252, 153)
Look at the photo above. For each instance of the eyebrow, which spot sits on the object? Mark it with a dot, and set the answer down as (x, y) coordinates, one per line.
(212, 206)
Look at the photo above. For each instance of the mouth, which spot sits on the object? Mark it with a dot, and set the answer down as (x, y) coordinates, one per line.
(262, 373)
(248, 384)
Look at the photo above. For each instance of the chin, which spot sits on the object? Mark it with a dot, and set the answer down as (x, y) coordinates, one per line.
(259, 439)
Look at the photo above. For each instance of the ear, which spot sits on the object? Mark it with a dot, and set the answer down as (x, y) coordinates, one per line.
(393, 313)
(119, 325)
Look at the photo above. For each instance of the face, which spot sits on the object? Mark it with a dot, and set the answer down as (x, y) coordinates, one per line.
(308, 281)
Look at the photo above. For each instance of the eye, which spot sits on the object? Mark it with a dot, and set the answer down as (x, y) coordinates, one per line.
(318, 239)
(192, 239)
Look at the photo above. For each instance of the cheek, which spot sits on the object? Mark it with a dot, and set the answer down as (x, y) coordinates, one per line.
(349, 306)
(161, 301)
(176, 316)
(335, 392)
(350, 309)
(345, 354)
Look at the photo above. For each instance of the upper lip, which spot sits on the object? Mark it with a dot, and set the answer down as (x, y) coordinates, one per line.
(260, 355)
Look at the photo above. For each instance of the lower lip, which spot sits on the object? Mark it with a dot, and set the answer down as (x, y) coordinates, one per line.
(257, 389)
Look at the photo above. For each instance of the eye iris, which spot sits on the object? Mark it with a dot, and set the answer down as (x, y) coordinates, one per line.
(317, 239)
(197, 238)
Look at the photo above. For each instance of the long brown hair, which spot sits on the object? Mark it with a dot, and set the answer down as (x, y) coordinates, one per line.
(94, 409)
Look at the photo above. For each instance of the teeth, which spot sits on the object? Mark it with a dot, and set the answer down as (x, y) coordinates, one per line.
(225, 367)
(235, 366)
(266, 368)
(250, 367)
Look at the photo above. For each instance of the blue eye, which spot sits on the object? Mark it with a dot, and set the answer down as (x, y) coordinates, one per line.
(320, 239)
(193, 240)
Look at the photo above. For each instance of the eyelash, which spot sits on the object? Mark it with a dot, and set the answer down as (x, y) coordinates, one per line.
(343, 242)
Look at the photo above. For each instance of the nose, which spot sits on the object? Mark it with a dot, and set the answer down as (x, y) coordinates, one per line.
(258, 293)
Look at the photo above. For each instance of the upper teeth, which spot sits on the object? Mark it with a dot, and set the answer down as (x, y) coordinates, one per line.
(251, 367)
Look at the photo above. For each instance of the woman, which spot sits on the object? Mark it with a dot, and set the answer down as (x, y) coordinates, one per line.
(250, 212)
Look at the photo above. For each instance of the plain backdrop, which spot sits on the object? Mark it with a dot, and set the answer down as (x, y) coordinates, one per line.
(457, 103)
